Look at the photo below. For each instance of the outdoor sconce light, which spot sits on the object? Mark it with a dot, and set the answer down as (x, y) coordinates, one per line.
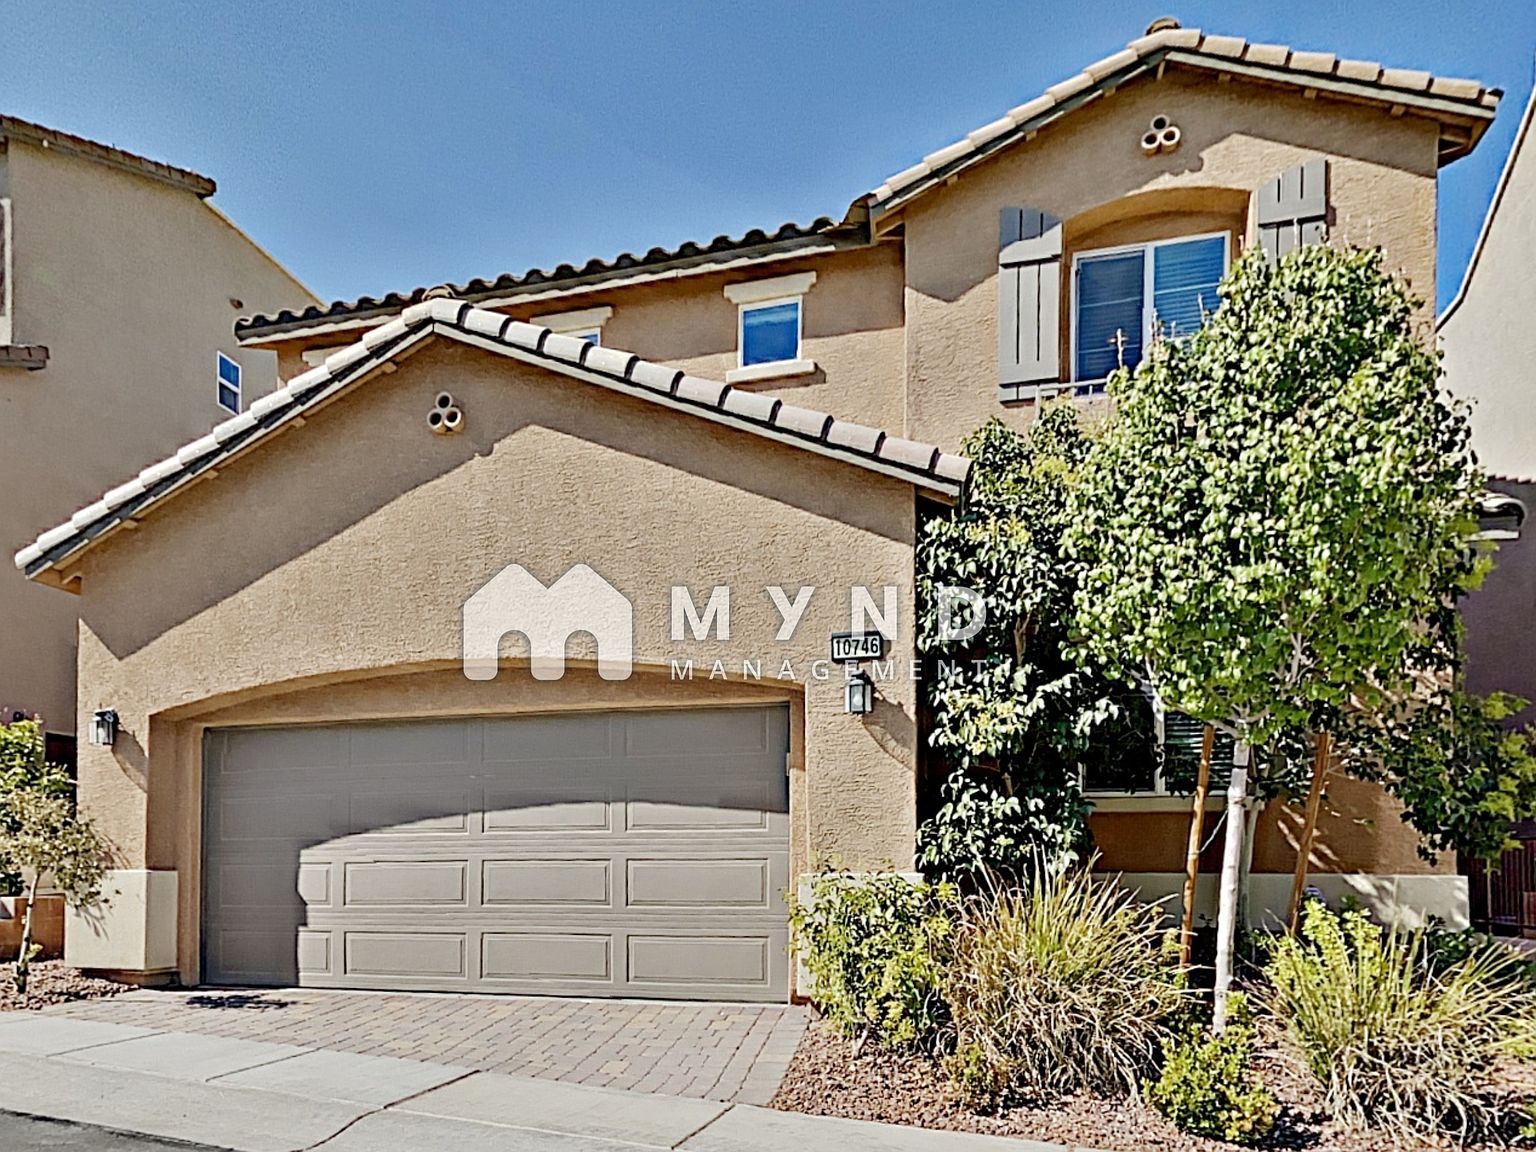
(103, 727)
(859, 695)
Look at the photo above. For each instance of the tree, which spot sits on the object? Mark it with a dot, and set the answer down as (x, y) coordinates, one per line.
(24, 764)
(1276, 508)
(41, 834)
(1014, 714)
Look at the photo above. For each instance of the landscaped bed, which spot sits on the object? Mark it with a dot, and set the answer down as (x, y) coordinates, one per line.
(825, 1078)
(52, 982)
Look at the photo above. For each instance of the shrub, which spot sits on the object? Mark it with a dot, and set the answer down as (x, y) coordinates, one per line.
(875, 944)
(1396, 1043)
(1207, 1087)
(1060, 988)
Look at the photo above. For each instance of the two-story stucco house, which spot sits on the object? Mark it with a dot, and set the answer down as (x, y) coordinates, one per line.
(307, 786)
(119, 285)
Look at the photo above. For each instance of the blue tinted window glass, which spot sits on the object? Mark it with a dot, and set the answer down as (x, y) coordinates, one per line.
(1184, 280)
(229, 371)
(770, 333)
(229, 397)
(1111, 292)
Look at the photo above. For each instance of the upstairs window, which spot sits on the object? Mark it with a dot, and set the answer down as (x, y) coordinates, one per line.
(584, 324)
(228, 384)
(1122, 295)
(769, 324)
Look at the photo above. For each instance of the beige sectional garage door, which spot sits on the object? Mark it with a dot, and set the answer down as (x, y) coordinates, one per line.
(614, 854)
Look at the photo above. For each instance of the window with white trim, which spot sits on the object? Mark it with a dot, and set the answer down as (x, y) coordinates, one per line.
(5, 270)
(770, 324)
(1121, 296)
(1167, 765)
(228, 384)
(584, 324)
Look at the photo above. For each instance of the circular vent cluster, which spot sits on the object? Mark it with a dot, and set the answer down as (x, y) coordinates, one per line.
(1162, 136)
(446, 416)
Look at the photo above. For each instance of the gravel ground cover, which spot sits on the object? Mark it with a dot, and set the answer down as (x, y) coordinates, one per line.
(52, 982)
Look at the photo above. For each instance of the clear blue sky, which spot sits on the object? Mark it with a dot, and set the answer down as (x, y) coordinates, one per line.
(385, 145)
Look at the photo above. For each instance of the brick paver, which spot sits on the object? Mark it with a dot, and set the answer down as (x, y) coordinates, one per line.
(713, 1051)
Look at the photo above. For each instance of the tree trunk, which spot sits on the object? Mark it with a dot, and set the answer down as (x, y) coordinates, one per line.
(1308, 827)
(1231, 866)
(24, 955)
(1192, 856)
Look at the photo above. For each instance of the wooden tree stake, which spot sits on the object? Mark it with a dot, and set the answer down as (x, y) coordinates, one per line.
(1192, 857)
(1308, 828)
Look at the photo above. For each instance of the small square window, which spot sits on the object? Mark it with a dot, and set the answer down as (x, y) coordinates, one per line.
(770, 332)
(595, 336)
(229, 384)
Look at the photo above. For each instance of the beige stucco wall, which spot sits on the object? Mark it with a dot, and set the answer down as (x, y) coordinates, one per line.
(343, 551)
(1236, 136)
(128, 281)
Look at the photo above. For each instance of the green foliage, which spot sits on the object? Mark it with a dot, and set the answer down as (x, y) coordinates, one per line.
(41, 834)
(1061, 988)
(24, 765)
(874, 945)
(1462, 777)
(1279, 501)
(1207, 1086)
(1013, 714)
(1398, 1043)
(1446, 948)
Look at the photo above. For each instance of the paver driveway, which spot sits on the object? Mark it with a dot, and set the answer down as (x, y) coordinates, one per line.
(713, 1051)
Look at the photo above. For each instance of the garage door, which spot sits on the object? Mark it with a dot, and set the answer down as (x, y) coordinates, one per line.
(615, 854)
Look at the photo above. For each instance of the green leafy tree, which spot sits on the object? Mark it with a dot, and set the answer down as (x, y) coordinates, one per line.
(1278, 507)
(24, 765)
(42, 835)
(1015, 715)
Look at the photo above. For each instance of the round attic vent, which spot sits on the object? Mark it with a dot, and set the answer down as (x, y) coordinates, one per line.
(1163, 24)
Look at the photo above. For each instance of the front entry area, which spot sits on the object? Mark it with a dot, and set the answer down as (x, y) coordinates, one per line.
(640, 854)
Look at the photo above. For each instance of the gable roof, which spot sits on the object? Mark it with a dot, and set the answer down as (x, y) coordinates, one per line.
(51, 138)
(1463, 107)
(1465, 104)
(922, 465)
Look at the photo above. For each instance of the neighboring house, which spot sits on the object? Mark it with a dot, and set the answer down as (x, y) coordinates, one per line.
(306, 785)
(1484, 363)
(119, 284)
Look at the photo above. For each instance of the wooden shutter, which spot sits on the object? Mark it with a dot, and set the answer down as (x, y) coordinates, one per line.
(1293, 208)
(1183, 737)
(1028, 302)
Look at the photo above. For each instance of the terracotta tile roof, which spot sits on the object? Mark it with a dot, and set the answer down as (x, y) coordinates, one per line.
(1435, 95)
(14, 128)
(786, 239)
(923, 465)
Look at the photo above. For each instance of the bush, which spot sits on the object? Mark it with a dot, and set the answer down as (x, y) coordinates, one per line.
(875, 944)
(1207, 1087)
(1396, 1043)
(1064, 987)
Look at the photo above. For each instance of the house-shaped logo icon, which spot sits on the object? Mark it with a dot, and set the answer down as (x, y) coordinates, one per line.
(513, 600)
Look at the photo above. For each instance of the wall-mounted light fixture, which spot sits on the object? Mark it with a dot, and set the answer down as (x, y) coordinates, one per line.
(103, 727)
(859, 695)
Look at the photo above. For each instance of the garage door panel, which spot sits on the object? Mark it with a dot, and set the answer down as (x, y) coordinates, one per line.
(547, 956)
(529, 883)
(569, 864)
(404, 883)
(531, 808)
(408, 954)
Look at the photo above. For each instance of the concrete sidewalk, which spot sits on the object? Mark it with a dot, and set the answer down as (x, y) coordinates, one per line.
(251, 1096)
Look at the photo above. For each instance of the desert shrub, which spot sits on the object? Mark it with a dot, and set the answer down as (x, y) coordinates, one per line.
(1207, 1086)
(1397, 1043)
(874, 944)
(1057, 988)
(1444, 948)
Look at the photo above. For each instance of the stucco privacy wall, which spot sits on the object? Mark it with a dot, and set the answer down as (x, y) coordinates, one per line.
(1235, 136)
(128, 281)
(852, 323)
(347, 546)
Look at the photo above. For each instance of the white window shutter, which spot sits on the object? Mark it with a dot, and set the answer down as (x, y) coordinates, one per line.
(1292, 208)
(1028, 302)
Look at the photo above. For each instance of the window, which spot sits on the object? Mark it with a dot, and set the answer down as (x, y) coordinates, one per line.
(229, 384)
(1119, 294)
(1167, 765)
(585, 324)
(770, 320)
